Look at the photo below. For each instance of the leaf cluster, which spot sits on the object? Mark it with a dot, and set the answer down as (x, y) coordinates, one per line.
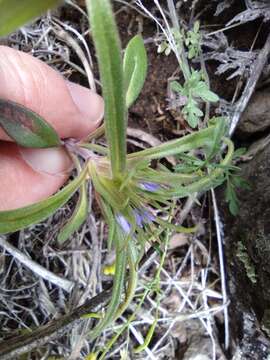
(192, 41)
(234, 181)
(195, 89)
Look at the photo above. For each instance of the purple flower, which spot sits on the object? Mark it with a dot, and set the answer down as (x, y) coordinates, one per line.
(138, 218)
(148, 217)
(125, 225)
(143, 217)
(149, 186)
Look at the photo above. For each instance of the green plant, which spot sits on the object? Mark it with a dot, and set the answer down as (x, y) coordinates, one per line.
(195, 89)
(190, 38)
(129, 189)
(234, 180)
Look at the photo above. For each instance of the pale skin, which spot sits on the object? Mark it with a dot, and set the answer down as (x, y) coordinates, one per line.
(28, 176)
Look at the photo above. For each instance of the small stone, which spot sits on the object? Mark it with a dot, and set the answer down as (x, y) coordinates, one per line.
(256, 117)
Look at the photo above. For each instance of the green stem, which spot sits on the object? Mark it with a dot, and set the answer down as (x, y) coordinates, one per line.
(133, 278)
(125, 326)
(118, 282)
(201, 138)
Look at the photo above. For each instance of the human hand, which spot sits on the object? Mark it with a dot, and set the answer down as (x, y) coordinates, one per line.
(31, 175)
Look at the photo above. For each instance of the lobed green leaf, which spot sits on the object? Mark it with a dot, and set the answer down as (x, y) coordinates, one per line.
(135, 68)
(15, 13)
(13, 220)
(26, 127)
(201, 89)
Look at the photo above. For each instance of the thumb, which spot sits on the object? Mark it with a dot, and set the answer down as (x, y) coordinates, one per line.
(72, 110)
(30, 175)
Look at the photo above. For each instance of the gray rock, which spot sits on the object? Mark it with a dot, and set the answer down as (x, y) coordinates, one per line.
(248, 259)
(256, 117)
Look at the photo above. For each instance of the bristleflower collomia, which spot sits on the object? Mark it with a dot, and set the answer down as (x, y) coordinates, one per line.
(136, 191)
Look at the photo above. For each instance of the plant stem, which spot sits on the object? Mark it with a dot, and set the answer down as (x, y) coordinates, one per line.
(107, 44)
(133, 279)
(120, 266)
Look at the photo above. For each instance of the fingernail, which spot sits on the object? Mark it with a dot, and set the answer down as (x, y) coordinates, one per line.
(52, 161)
(90, 104)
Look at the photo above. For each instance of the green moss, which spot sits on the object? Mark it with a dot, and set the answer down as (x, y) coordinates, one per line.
(243, 256)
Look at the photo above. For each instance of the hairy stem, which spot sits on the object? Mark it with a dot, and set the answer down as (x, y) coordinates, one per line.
(120, 266)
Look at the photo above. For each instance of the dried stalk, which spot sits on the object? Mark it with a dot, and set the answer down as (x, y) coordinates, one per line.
(10, 349)
(39, 270)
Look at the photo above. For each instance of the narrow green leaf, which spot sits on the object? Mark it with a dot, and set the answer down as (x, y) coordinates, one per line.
(196, 111)
(108, 50)
(15, 13)
(200, 138)
(26, 127)
(215, 178)
(165, 177)
(220, 131)
(231, 199)
(78, 217)
(135, 68)
(191, 119)
(13, 220)
(110, 218)
(239, 152)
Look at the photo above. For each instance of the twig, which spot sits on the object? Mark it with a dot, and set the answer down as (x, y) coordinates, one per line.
(222, 270)
(256, 71)
(18, 345)
(64, 284)
(64, 36)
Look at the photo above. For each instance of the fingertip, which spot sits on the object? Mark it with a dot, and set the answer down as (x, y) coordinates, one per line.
(22, 182)
(73, 110)
(52, 161)
(90, 107)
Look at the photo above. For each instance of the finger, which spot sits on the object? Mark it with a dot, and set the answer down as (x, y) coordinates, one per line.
(25, 181)
(73, 110)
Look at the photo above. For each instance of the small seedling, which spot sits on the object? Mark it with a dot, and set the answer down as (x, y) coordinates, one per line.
(192, 41)
(194, 89)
